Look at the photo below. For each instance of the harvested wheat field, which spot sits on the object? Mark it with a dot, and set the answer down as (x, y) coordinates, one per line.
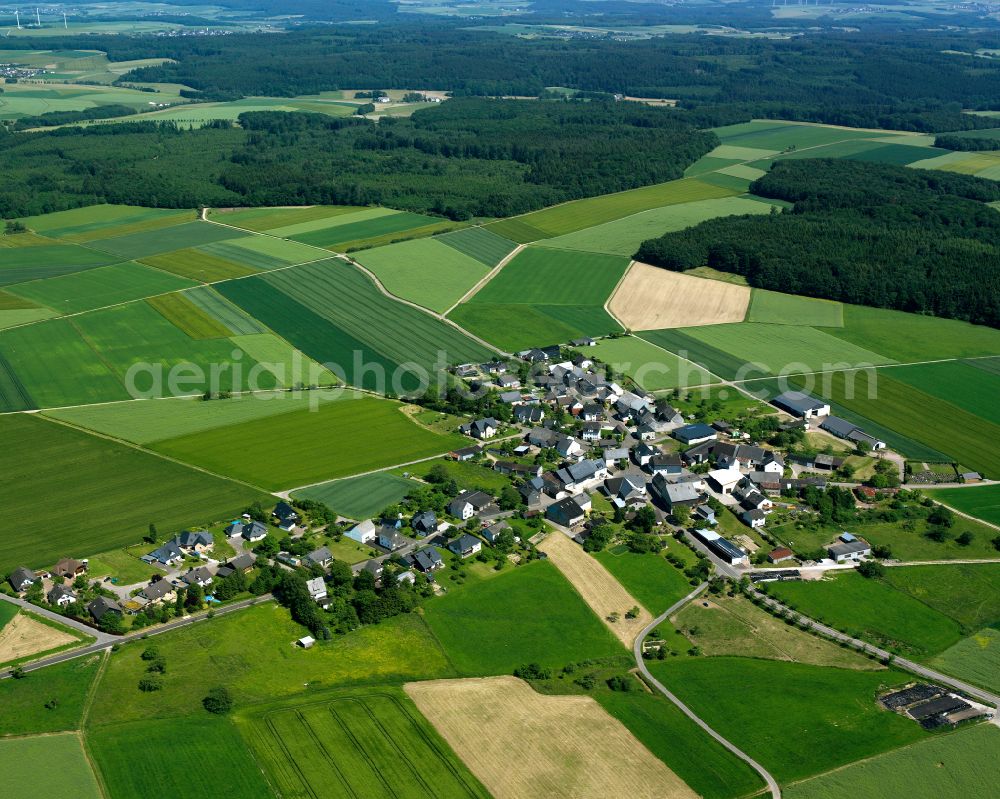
(650, 298)
(22, 637)
(598, 587)
(522, 744)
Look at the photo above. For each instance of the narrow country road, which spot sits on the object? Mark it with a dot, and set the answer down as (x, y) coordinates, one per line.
(902, 663)
(106, 641)
(772, 784)
(73, 624)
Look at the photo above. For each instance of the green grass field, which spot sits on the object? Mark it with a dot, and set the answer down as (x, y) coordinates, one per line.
(651, 367)
(57, 367)
(15, 317)
(155, 242)
(50, 765)
(224, 312)
(424, 271)
(530, 614)
(789, 309)
(872, 610)
(959, 764)
(355, 743)
(359, 497)
(544, 296)
(775, 351)
(98, 221)
(579, 214)
(183, 314)
(328, 222)
(216, 652)
(975, 659)
(263, 252)
(96, 288)
(24, 700)
(680, 342)
(302, 447)
(148, 421)
(649, 578)
(968, 593)
(467, 475)
(476, 242)
(23, 264)
(771, 135)
(623, 236)
(694, 757)
(326, 310)
(778, 712)
(267, 219)
(77, 472)
(353, 232)
(907, 337)
(959, 383)
(544, 276)
(983, 502)
(132, 762)
(197, 265)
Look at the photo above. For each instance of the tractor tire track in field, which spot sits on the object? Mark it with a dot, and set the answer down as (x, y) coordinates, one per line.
(486, 278)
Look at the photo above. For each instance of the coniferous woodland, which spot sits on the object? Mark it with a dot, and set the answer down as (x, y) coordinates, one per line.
(887, 236)
(468, 157)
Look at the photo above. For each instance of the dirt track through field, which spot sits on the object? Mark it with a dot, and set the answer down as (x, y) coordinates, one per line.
(650, 298)
(23, 636)
(523, 745)
(598, 587)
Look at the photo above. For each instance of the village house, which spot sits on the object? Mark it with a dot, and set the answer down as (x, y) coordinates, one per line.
(705, 513)
(644, 452)
(668, 463)
(69, 568)
(568, 447)
(569, 511)
(365, 532)
(465, 453)
(200, 575)
(60, 596)
(841, 428)
(780, 554)
(167, 555)
(724, 480)
(529, 414)
(469, 503)
(493, 532)
(753, 518)
(241, 563)
(849, 549)
(195, 543)
(317, 589)
(465, 545)
(426, 560)
(286, 516)
(614, 455)
(253, 531)
(101, 606)
(391, 539)
(481, 428)
(674, 495)
(322, 557)
(425, 522)
(158, 591)
(523, 470)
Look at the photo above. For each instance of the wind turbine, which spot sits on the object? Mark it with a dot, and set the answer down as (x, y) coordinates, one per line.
(17, 16)
(66, 24)
(38, 19)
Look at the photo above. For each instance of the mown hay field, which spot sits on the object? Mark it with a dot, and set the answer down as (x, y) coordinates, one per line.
(650, 298)
(653, 368)
(72, 469)
(347, 235)
(967, 592)
(26, 636)
(648, 577)
(424, 271)
(131, 762)
(972, 389)
(597, 586)
(788, 309)
(530, 614)
(975, 659)
(24, 701)
(100, 221)
(305, 446)
(782, 713)
(564, 746)
(360, 497)
(579, 214)
(514, 327)
(735, 626)
(623, 236)
(21, 264)
(97, 288)
(963, 763)
(356, 743)
(49, 765)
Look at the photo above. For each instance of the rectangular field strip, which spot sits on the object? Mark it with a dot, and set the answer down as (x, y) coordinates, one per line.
(155, 242)
(181, 312)
(479, 243)
(198, 265)
(224, 312)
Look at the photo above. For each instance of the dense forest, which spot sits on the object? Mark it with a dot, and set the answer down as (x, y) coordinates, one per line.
(468, 157)
(967, 142)
(913, 81)
(870, 234)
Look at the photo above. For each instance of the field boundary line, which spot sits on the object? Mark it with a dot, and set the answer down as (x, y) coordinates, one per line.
(772, 784)
(161, 455)
(487, 277)
(89, 757)
(607, 303)
(92, 690)
(286, 493)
